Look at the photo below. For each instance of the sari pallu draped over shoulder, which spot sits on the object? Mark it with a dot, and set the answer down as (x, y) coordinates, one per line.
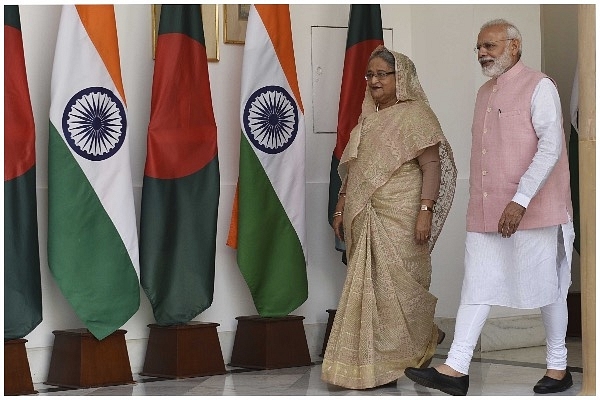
(384, 321)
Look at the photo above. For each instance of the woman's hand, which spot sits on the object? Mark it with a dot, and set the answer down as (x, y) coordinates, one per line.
(338, 219)
(338, 226)
(423, 225)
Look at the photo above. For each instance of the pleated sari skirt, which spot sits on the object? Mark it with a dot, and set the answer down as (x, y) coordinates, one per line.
(384, 320)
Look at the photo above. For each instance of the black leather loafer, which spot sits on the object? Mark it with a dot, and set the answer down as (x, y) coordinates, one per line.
(431, 378)
(551, 385)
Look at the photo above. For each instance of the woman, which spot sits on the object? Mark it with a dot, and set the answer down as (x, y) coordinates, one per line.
(396, 165)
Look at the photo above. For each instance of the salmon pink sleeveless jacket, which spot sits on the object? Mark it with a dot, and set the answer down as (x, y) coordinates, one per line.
(503, 145)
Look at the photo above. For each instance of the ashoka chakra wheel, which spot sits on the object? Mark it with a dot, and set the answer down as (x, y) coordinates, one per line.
(271, 119)
(94, 123)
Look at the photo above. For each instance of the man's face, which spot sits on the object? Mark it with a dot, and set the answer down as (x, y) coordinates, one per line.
(496, 53)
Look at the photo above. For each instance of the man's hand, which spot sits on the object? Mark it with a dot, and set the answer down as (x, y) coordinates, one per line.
(510, 219)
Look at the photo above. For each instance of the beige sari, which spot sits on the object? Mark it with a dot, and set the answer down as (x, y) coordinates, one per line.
(384, 321)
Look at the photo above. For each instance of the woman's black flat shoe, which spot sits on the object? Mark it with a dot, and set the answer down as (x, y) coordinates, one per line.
(441, 336)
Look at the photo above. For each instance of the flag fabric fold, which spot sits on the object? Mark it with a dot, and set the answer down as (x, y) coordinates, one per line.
(365, 33)
(92, 236)
(22, 282)
(180, 195)
(268, 219)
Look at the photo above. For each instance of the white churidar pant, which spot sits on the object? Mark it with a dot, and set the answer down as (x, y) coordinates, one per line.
(530, 269)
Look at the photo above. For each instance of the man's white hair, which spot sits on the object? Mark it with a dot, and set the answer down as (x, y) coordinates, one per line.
(511, 31)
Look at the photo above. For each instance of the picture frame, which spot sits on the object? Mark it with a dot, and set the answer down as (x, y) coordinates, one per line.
(210, 20)
(236, 21)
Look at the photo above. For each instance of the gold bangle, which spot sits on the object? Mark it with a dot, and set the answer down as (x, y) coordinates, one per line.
(341, 195)
(337, 214)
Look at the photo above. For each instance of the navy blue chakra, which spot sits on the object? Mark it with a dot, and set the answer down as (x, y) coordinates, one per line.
(271, 119)
(94, 123)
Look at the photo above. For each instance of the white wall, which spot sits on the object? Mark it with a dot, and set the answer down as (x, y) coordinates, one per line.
(439, 39)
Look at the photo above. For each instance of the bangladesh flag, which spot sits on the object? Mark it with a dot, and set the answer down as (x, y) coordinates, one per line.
(365, 33)
(268, 224)
(180, 196)
(92, 236)
(22, 285)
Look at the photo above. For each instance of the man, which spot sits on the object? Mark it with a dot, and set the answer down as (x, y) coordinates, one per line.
(519, 230)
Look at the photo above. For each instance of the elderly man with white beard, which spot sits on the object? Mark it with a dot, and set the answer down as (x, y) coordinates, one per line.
(519, 218)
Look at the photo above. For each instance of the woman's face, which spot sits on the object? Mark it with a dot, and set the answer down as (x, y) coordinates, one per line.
(383, 90)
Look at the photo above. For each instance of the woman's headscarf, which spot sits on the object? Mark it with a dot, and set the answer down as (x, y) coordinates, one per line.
(398, 134)
(408, 87)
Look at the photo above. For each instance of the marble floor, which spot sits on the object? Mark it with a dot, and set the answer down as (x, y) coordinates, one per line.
(498, 373)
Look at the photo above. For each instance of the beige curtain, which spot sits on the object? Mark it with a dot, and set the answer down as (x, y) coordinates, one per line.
(587, 190)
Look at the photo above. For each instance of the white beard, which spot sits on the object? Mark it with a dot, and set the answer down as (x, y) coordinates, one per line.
(500, 65)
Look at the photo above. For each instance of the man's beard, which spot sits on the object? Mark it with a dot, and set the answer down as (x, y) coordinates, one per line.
(500, 65)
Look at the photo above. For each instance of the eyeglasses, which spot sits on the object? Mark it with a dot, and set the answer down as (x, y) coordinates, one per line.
(380, 75)
(489, 46)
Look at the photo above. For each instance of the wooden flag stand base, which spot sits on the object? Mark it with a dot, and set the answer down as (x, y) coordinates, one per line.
(327, 331)
(17, 376)
(79, 360)
(183, 351)
(270, 342)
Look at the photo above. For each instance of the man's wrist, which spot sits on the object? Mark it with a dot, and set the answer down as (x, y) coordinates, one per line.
(521, 200)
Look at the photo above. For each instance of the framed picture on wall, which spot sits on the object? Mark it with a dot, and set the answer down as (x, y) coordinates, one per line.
(236, 21)
(210, 20)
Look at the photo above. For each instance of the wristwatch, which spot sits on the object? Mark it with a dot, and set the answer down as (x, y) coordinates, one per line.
(424, 207)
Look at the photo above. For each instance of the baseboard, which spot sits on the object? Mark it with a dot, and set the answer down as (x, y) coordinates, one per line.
(498, 334)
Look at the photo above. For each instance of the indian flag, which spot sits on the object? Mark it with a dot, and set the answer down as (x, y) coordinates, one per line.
(92, 237)
(268, 222)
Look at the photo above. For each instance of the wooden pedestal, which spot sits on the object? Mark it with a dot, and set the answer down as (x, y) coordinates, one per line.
(327, 331)
(79, 360)
(270, 343)
(183, 351)
(17, 376)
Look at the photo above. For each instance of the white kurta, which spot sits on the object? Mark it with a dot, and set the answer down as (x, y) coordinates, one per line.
(532, 268)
